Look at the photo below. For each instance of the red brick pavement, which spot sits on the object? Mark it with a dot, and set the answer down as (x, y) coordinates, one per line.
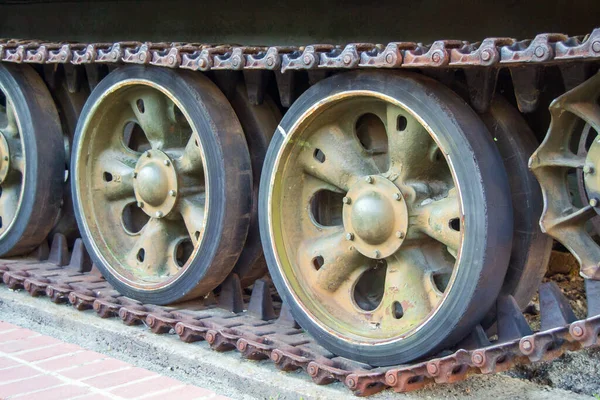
(33, 366)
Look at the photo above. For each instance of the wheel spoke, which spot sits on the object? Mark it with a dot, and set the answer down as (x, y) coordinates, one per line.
(344, 159)
(409, 143)
(8, 204)
(154, 112)
(337, 255)
(114, 170)
(153, 250)
(190, 161)
(439, 219)
(405, 285)
(192, 211)
(11, 128)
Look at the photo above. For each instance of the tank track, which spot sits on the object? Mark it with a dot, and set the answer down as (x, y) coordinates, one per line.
(258, 333)
(261, 328)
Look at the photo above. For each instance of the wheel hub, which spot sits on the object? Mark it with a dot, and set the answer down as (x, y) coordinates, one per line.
(155, 183)
(375, 217)
(4, 158)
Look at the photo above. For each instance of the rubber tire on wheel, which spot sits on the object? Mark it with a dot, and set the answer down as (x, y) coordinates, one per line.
(531, 247)
(40, 130)
(229, 175)
(485, 200)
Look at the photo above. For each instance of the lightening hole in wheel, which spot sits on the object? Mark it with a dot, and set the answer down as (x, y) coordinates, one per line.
(371, 132)
(179, 117)
(140, 255)
(368, 291)
(135, 138)
(183, 252)
(318, 262)
(326, 208)
(441, 281)
(133, 218)
(401, 123)
(319, 156)
(140, 105)
(454, 224)
(107, 176)
(397, 310)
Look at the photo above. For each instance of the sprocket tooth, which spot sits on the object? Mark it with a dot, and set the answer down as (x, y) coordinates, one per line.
(592, 293)
(554, 307)
(59, 252)
(80, 259)
(286, 318)
(261, 304)
(512, 324)
(230, 297)
(476, 339)
(286, 84)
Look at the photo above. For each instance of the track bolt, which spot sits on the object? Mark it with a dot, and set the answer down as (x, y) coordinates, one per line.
(377, 254)
(397, 196)
(346, 200)
(432, 369)
(276, 357)
(369, 179)
(436, 57)
(159, 214)
(210, 337)
(202, 63)
(347, 59)
(349, 236)
(477, 359)
(389, 58)
(270, 61)
(167, 163)
(577, 331)
(307, 59)
(242, 345)
(526, 344)
(391, 379)
(594, 202)
(312, 370)
(400, 235)
(596, 46)
(540, 52)
(351, 383)
(172, 193)
(486, 55)
(588, 169)
(140, 204)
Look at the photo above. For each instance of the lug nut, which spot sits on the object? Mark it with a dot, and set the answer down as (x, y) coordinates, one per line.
(377, 254)
(349, 236)
(5, 158)
(594, 202)
(140, 204)
(346, 200)
(166, 162)
(400, 235)
(134, 175)
(159, 214)
(588, 169)
(397, 196)
(369, 179)
(172, 193)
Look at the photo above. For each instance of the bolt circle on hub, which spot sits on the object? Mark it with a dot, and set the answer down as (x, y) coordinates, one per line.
(155, 183)
(4, 158)
(375, 218)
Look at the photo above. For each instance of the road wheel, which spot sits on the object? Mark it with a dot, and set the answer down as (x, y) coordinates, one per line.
(162, 183)
(386, 216)
(32, 162)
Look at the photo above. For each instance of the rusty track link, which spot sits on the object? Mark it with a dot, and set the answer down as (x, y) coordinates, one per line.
(543, 49)
(226, 324)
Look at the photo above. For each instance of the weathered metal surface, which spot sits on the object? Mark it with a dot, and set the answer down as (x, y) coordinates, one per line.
(543, 49)
(572, 113)
(286, 346)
